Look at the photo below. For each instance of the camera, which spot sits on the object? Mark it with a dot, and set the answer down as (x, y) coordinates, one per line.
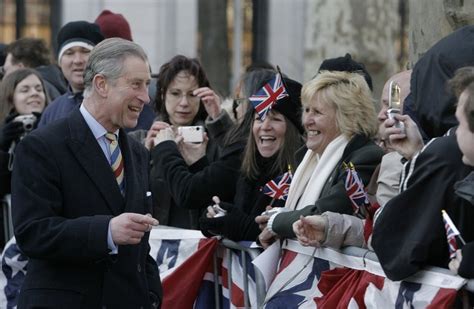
(27, 120)
(395, 104)
(192, 134)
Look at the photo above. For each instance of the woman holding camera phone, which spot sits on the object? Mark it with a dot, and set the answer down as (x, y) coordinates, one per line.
(22, 100)
(269, 152)
(184, 98)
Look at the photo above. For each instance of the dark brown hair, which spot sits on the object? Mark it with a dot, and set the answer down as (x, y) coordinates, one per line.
(168, 72)
(29, 51)
(463, 80)
(8, 86)
(469, 106)
(285, 156)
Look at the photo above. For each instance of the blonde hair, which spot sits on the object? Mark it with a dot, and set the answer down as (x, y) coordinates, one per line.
(349, 95)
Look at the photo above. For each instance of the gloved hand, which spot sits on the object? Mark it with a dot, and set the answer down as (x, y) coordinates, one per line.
(38, 117)
(10, 131)
(214, 226)
(231, 225)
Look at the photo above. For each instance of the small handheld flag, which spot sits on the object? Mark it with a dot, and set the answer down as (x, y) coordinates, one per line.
(451, 233)
(279, 187)
(268, 95)
(356, 192)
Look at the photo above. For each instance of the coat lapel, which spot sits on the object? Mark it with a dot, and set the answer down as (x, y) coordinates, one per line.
(131, 180)
(91, 157)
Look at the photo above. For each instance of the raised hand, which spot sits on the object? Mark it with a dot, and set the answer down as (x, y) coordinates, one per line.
(408, 141)
(211, 101)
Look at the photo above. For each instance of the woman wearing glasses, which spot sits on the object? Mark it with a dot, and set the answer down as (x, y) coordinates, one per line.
(183, 98)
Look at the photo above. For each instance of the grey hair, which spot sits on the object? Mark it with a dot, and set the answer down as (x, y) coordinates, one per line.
(107, 58)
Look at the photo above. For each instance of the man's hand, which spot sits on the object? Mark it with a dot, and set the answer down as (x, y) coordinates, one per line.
(129, 228)
(406, 142)
(311, 230)
(456, 262)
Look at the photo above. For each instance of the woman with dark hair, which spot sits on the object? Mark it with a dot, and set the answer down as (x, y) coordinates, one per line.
(22, 100)
(192, 178)
(183, 98)
(269, 152)
(178, 79)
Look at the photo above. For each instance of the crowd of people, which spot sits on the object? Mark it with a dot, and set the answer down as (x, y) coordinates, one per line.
(94, 153)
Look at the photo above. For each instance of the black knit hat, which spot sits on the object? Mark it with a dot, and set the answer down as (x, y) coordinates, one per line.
(78, 33)
(346, 64)
(290, 106)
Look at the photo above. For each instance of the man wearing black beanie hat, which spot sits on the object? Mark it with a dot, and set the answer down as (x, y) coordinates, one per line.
(75, 41)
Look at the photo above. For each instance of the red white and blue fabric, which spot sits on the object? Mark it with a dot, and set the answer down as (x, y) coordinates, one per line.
(279, 187)
(356, 192)
(451, 233)
(116, 161)
(308, 279)
(268, 95)
(233, 279)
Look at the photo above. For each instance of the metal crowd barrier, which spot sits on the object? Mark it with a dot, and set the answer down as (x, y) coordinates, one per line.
(7, 217)
(260, 283)
(230, 245)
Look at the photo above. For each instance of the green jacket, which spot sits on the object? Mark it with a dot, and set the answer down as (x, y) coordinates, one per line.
(365, 155)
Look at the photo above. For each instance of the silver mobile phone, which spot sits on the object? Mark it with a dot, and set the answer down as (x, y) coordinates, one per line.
(395, 104)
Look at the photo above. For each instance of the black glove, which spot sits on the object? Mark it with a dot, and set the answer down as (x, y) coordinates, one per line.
(232, 225)
(38, 117)
(213, 226)
(10, 132)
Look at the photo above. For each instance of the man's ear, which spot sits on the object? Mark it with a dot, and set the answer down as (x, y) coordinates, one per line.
(100, 85)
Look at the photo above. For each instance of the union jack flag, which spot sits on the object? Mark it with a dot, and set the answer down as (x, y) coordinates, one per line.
(268, 95)
(278, 188)
(451, 233)
(356, 192)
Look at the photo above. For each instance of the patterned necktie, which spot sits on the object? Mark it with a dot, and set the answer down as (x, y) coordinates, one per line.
(116, 161)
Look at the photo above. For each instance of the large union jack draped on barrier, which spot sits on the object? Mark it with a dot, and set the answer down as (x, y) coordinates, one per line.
(305, 277)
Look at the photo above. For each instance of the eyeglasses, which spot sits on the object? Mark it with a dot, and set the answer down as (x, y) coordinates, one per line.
(238, 102)
(177, 96)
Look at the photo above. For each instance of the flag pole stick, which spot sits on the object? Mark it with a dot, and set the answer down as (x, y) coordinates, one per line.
(271, 203)
(282, 79)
